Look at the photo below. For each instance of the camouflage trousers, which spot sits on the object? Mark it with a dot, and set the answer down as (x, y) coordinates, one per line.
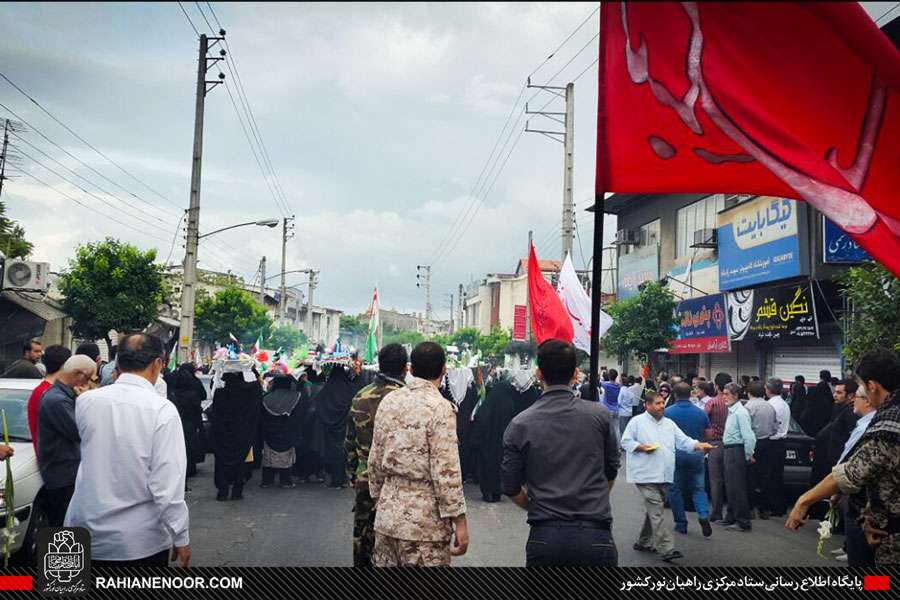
(391, 552)
(363, 529)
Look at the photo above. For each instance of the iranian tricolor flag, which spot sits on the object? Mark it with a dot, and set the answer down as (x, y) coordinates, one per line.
(374, 324)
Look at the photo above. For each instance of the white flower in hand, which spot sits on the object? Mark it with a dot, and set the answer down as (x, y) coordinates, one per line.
(824, 530)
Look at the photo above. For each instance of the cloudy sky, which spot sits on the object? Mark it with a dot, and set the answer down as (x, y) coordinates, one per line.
(377, 119)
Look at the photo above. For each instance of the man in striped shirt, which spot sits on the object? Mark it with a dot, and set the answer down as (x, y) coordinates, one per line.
(717, 412)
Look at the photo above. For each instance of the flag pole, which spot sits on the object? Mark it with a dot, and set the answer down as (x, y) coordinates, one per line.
(599, 209)
(596, 293)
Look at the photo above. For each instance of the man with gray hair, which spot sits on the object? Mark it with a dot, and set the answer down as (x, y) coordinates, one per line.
(59, 445)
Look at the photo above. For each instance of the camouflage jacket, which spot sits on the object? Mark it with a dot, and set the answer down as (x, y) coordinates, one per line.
(414, 471)
(361, 424)
(874, 470)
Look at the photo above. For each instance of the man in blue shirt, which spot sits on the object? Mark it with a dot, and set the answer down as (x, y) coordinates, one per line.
(651, 441)
(739, 442)
(690, 475)
(611, 391)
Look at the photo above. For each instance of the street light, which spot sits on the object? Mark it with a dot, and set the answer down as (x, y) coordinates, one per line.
(264, 223)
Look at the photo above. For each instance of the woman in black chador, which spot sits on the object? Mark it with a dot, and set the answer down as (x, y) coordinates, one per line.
(280, 423)
(332, 410)
(187, 393)
(235, 414)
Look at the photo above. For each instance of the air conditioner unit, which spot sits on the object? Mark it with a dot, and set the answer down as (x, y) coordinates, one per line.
(705, 238)
(626, 237)
(25, 276)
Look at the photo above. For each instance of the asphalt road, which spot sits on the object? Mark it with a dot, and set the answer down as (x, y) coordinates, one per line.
(311, 525)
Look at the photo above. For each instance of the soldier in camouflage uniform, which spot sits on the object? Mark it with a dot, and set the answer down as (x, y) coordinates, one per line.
(871, 472)
(392, 361)
(414, 471)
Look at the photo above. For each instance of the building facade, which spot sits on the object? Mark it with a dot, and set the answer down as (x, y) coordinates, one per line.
(754, 276)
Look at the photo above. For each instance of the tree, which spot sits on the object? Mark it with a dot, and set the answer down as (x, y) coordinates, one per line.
(353, 326)
(874, 321)
(112, 285)
(642, 323)
(231, 311)
(493, 345)
(466, 336)
(286, 337)
(398, 336)
(12, 237)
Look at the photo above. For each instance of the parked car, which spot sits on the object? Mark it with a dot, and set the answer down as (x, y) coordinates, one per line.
(799, 452)
(28, 485)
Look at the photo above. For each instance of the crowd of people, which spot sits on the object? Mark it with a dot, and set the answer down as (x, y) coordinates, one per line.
(408, 436)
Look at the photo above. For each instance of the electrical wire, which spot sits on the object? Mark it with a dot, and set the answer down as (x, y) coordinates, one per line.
(175, 238)
(93, 210)
(577, 29)
(186, 16)
(85, 142)
(231, 65)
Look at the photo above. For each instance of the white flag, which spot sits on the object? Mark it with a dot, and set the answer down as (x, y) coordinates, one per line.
(578, 304)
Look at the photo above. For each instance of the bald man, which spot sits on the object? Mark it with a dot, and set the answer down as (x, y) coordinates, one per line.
(59, 446)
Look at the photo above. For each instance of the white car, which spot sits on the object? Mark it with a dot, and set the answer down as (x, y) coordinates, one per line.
(14, 395)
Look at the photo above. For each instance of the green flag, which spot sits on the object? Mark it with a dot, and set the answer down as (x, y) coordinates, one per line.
(374, 324)
(173, 360)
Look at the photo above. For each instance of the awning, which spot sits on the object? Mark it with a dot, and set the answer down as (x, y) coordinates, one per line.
(36, 305)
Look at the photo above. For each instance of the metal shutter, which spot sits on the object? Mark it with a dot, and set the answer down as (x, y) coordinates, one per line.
(789, 362)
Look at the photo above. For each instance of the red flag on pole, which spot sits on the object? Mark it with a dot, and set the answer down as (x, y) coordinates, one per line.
(549, 318)
(792, 99)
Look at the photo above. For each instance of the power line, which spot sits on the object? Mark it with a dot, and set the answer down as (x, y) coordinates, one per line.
(86, 143)
(175, 238)
(76, 174)
(886, 13)
(186, 16)
(93, 211)
(91, 194)
(231, 64)
(577, 29)
(563, 68)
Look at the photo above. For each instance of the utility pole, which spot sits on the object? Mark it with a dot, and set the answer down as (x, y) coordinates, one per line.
(462, 308)
(6, 128)
(262, 281)
(287, 233)
(188, 288)
(528, 292)
(567, 138)
(309, 306)
(452, 319)
(427, 269)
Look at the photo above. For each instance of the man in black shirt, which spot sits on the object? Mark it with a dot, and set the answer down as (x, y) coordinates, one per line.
(560, 460)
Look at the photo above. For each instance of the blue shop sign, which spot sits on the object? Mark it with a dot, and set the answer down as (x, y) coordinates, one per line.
(758, 243)
(838, 247)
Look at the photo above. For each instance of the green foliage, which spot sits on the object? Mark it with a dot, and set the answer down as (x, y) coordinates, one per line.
(874, 323)
(353, 326)
(642, 323)
(466, 335)
(493, 345)
(286, 337)
(12, 237)
(219, 279)
(234, 311)
(112, 285)
(399, 336)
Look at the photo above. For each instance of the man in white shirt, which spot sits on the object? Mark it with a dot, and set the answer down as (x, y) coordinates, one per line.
(650, 439)
(139, 515)
(774, 389)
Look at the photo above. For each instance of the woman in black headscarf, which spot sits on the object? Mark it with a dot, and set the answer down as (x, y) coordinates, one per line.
(188, 394)
(333, 409)
(235, 414)
(309, 462)
(280, 423)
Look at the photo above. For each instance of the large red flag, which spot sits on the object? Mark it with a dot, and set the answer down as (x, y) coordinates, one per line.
(549, 318)
(793, 99)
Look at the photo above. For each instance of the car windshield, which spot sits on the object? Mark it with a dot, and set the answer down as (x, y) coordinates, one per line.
(14, 403)
(795, 428)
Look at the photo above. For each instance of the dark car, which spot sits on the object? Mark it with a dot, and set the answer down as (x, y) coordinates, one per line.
(799, 452)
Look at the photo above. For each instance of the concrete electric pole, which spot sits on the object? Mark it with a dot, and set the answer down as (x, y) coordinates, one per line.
(427, 269)
(309, 306)
(287, 233)
(567, 138)
(262, 281)
(460, 320)
(189, 285)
